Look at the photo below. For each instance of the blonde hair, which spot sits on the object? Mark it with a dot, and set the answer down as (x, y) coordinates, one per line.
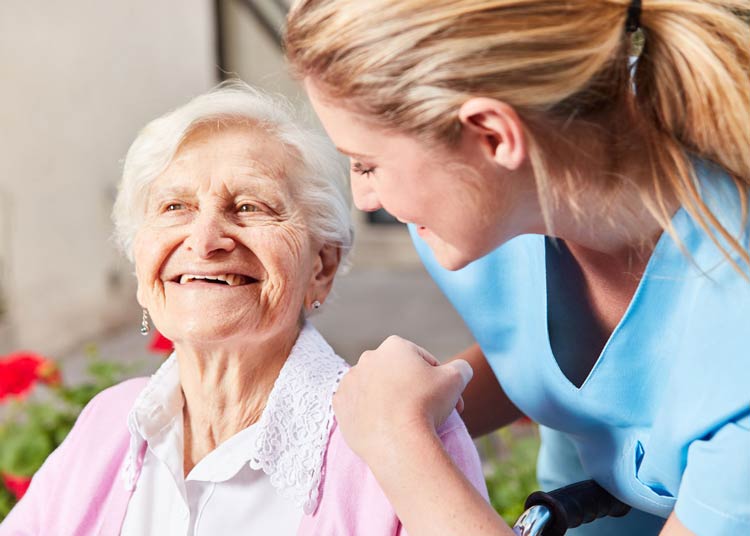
(411, 64)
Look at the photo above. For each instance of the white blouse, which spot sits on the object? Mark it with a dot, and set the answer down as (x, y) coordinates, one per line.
(262, 480)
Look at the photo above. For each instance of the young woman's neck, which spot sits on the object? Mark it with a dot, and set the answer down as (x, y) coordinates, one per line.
(602, 213)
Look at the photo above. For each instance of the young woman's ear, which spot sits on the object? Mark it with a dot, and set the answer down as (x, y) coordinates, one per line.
(498, 127)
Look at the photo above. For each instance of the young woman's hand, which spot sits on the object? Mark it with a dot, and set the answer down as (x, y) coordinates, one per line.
(396, 392)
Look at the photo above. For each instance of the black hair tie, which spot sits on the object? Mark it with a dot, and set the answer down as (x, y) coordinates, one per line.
(633, 22)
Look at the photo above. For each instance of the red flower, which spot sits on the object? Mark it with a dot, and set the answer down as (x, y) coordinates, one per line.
(17, 485)
(48, 373)
(18, 373)
(160, 344)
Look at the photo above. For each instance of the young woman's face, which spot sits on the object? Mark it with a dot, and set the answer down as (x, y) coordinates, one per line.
(463, 204)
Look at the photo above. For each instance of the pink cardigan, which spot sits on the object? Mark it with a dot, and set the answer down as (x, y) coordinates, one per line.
(80, 490)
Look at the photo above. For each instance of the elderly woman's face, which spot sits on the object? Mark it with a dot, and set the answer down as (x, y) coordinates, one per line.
(223, 252)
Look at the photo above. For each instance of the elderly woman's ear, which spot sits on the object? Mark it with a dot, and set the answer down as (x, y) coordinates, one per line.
(325, 265)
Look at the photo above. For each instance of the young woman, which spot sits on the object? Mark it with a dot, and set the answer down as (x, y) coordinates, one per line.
(585, 214)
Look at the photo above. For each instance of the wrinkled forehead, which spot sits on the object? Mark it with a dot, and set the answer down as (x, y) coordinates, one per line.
(257, 144)
(232, 151)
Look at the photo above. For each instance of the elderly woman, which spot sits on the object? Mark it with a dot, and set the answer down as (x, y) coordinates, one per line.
(237, 220)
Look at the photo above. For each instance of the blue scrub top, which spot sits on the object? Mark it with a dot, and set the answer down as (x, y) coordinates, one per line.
(663, 419)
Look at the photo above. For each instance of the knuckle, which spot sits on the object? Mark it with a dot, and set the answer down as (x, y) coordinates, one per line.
(393, 340)
(454, 374)
(363, 358)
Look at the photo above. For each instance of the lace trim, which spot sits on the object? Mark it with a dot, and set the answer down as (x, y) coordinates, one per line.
(296, 424)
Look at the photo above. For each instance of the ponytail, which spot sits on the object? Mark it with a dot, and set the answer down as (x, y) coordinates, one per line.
(693, 90)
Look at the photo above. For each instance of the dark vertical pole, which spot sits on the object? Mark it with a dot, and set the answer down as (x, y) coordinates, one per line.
(264, 22)
(221, 67)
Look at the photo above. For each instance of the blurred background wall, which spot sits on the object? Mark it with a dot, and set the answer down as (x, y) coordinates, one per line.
(79, 78)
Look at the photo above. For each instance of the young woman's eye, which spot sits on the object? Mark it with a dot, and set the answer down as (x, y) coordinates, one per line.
(360, 169)
(248, 207)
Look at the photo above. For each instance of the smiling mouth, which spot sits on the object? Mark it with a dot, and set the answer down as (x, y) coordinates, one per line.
(230, 280)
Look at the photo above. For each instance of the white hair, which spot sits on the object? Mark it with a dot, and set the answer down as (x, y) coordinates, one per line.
(321, 182)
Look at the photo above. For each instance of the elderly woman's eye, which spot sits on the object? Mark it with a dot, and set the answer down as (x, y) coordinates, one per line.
(248, 207)
(171, 207)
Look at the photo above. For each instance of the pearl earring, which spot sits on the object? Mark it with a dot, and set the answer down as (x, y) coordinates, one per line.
(145, 328)
(316, 304)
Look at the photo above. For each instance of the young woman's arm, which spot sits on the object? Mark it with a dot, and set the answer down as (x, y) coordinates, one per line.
(389, 407)
(486, 406)
(673, 527)
(428, 492)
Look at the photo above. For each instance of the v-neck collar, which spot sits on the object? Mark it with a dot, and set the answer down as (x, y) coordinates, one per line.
(694, 249)
(664, 242)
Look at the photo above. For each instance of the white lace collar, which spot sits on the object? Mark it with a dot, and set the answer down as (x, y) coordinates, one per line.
(295, 425)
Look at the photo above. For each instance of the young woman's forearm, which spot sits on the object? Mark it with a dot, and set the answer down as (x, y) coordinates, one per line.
(482, 393)
(430, 495)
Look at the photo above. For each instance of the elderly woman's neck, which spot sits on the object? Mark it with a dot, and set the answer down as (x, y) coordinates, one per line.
(225, 390)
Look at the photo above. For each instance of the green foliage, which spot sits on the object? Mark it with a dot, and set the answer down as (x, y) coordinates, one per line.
(510, 468)
(30, 429)
(7, 500)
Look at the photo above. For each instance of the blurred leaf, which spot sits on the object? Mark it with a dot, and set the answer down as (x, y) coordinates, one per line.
(510, 468)
(7, 500)
(81, 395)
(61, 432)
(24, 451)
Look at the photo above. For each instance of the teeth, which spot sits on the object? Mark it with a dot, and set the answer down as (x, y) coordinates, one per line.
(232, 280)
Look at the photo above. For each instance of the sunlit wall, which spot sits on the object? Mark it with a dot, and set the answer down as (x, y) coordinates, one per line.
(79, 78)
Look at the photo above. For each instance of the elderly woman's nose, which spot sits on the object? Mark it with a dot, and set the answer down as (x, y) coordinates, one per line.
(209, 234)
(364, 195)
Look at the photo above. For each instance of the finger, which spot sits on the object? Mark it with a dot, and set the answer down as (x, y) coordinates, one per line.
(428, 357)
(399, 344)
(464, 369)
(424, 354)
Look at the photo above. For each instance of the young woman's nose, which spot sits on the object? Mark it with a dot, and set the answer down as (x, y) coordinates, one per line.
(364, 195)
(209, 235)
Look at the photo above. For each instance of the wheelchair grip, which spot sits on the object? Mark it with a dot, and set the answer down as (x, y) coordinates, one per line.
(575, 505)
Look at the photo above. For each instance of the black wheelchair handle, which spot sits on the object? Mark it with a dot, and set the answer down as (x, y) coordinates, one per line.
(574, 505)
